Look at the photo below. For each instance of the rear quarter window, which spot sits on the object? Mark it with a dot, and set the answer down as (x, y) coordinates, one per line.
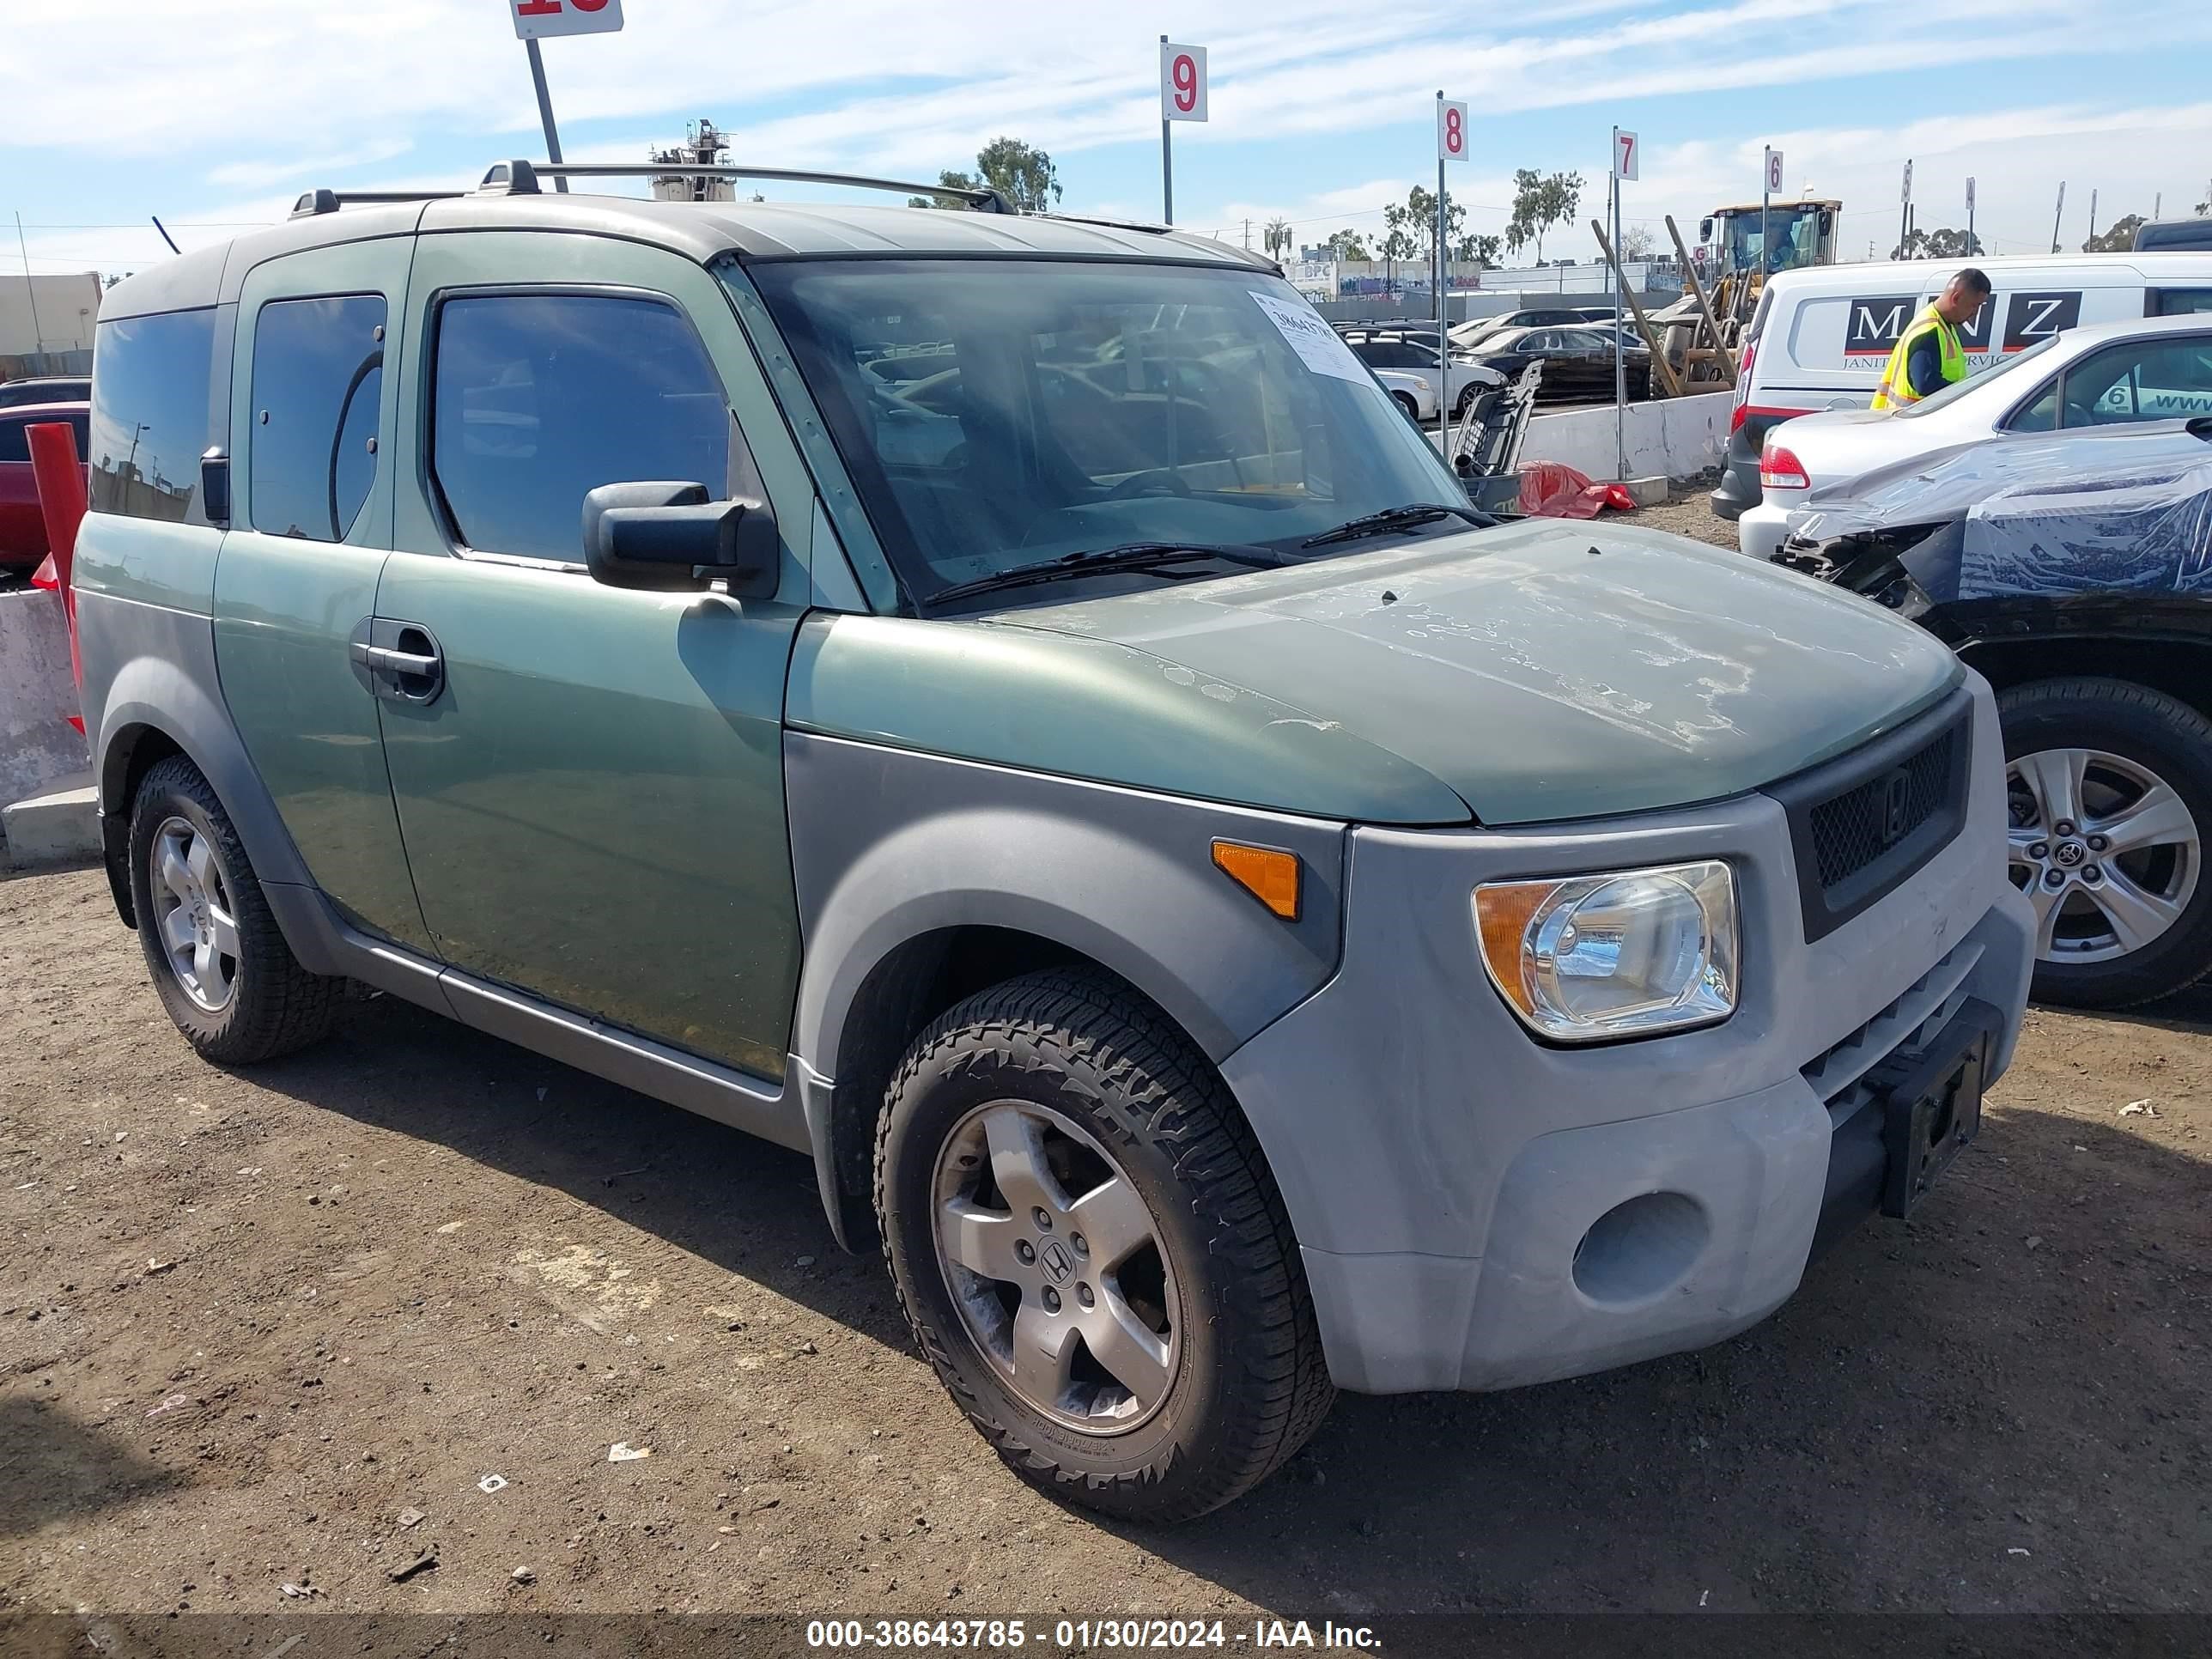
(318, 375)
(15, 434)
(149, 413)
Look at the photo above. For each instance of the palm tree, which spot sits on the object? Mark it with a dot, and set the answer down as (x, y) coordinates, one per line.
(1276, 238)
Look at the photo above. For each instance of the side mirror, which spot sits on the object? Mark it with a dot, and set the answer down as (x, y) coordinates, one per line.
(669, 538)
(215, 488)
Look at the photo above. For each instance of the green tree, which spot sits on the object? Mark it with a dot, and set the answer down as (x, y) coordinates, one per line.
(1478, 250)
(1397, 242)
(1540, 201)
(2120, 239)
(1943, 244)
(1022, 174)
(1417, 217)
(1349, 244)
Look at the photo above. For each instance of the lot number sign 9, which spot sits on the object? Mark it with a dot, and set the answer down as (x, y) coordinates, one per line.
(1183, 82)
(1451, 133)
(534, 20)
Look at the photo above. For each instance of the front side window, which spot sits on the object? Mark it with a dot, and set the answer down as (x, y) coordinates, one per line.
(997, 414)
(149, 413)
(318, 377)
(540, 399)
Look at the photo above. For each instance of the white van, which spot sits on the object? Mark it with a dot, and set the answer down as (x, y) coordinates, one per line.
(1820, 337)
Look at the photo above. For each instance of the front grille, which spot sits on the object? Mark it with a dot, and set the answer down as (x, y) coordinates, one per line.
(1857, 827)
(1861, 825)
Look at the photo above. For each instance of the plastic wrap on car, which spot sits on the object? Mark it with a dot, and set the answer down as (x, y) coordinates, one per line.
(2148, 531)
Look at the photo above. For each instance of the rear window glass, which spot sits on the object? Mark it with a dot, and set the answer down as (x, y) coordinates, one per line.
(2177, 301)
(318, 373)
(541, 398)
(149, 413)
(15, 435)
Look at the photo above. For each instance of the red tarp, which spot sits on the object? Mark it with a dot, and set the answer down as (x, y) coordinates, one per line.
(1550, 489)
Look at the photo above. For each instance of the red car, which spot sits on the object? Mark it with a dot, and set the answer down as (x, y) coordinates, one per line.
(22, 529)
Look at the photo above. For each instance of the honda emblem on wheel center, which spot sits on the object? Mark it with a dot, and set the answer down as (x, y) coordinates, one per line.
(1058, 1266)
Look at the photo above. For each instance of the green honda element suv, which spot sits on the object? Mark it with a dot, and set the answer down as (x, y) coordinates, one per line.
(1007, 708)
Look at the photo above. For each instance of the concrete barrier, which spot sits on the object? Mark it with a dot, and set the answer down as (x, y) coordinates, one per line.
(36, 695)
(1676, 437)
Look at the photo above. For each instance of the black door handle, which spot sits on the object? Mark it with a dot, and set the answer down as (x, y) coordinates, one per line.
(402, 660)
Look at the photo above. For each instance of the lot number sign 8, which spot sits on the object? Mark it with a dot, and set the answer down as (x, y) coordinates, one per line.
(1183, 82)
(1451, 133)
(534, 20)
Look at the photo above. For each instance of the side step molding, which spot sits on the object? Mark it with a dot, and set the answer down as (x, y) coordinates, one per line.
(326, 943)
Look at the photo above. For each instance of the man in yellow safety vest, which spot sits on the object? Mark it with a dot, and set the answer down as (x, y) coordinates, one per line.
(1929, 356)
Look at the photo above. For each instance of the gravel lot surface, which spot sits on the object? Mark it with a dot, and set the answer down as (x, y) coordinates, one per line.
(285, 1327)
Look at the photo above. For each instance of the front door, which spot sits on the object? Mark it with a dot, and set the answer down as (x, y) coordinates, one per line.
(312, 415)
(590, 779)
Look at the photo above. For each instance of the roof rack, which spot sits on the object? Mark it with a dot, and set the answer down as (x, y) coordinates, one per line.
(313, 202)
(520, 178)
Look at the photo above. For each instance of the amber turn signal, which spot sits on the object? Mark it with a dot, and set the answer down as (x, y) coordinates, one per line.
(1269, 876)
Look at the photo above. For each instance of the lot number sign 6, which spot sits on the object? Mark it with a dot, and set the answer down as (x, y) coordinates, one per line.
(534, 20)
(1183, 82)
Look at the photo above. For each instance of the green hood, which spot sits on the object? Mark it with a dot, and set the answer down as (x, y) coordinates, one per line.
(1542, 671)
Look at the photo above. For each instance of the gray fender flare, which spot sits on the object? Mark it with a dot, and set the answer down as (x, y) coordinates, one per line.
(150, 691)
(889, 847)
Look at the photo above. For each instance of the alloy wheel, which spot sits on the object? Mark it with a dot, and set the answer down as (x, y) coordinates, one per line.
(2107, 851)
(193, 918)
(1056, 1265)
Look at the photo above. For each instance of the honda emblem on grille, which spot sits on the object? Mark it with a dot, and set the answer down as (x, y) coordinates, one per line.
(1896, 806)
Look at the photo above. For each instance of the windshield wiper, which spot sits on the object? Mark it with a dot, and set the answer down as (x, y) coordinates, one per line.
(1398, 518)
(1128, 556)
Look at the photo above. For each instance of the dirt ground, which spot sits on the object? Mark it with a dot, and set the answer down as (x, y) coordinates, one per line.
(286, 1327)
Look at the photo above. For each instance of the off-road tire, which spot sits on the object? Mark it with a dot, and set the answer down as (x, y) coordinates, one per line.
(2168, 737)
(277, 1006)
(1250, 1384)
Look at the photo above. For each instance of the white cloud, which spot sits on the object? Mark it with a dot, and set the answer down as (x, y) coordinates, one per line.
(223, 90)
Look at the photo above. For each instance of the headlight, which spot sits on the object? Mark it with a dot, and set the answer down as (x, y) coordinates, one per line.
(1628, 953)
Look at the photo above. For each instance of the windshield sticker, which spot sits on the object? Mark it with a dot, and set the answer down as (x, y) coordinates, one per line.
(1313, 340)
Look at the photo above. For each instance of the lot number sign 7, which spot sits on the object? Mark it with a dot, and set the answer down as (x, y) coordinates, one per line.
(1183, 82)
(534, 20)
(1627, 155)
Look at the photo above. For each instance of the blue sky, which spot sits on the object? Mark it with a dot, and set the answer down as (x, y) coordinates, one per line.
(213, 113)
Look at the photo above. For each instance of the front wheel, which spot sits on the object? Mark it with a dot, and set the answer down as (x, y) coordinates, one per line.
(1407, 407)
(2109, 792)
(1090, 1250)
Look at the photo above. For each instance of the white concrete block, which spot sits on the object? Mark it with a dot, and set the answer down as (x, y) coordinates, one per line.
(1676, 437)
(60, 826)
(36, 695)
(1647, 491)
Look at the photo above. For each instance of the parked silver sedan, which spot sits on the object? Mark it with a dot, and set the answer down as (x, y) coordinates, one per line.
(2147, 371)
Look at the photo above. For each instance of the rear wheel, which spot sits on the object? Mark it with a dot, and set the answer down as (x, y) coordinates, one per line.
(218, 960)
(1091, 1251)
(2109, 793)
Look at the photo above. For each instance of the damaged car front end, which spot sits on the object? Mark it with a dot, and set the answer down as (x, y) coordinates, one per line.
(2074, 571)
